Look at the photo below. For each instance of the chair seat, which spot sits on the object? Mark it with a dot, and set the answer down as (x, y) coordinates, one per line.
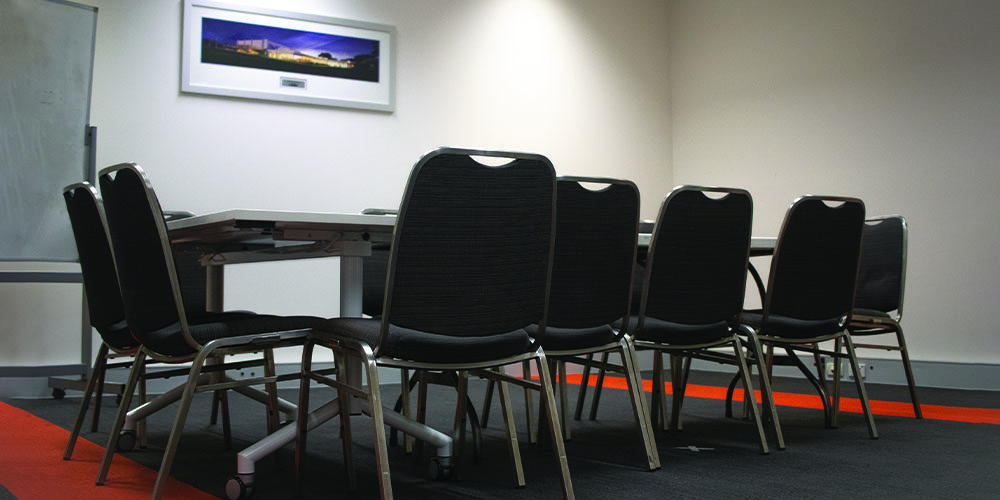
(209, 326)
(118, 337)
(569, 339)
(860, 314)
(872, 322)
(668, 332)
(414, 345)
(794, 328)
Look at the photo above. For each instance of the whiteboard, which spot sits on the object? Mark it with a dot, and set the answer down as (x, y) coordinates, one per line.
(47, 60)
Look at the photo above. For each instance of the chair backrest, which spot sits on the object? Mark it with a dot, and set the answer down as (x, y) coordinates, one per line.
(375, 268)
(97, 264)
(595, 250)
(810, 288)
(146, 270)
(472, 247)
(882, 273)
(698, 256)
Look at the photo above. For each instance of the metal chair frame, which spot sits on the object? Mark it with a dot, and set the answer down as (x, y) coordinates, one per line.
(812, 345)
(369, 399)
(871, 325)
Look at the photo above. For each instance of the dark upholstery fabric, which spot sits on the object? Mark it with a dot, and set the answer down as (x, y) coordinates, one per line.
(783, 326)
(472, 246)
(873, 313)
(413, 345)
(666, 332)
(209, 326)
(880, 274)
(697, 266)
(815, 264)
(595, 250)
(142, 266)
(568, 339)
(374, 269)
(100, 281)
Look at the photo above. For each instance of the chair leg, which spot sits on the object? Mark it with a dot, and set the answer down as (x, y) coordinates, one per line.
(487, 403)
(511, 431)
(227, 426)
(529, 405)
(860, 384)
(301, 427)
(751, 401)
(178, 428)
(636, 395)
(404, 387)
(141, 424)
(767, 397)
(100, 362)
(461, 411)
(552, 417)
(346, 435)
(582, 392)
(563, 400)
(908, 369)
(116, 428)
(378, 422)
(99, 394)
(418, 446)
(835, 396)
(598, 388)
(677, 386)
(658, 407)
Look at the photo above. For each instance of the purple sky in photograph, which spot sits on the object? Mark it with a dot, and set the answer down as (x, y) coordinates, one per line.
(306, 42)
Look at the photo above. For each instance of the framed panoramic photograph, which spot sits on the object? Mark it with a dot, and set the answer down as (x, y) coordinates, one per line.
(239, 51)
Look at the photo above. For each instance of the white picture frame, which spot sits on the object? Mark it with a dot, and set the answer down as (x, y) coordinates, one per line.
(247, 52)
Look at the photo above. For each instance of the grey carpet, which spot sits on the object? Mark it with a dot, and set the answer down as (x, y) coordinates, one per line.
(712, 457)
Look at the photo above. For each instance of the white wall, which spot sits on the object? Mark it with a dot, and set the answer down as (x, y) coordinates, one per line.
(581, 81)
(897, 102)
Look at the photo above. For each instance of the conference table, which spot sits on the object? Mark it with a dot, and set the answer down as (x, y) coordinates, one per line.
(254, 235)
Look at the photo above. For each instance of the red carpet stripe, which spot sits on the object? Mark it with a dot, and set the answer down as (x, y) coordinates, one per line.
(853, 405)
(31, 465)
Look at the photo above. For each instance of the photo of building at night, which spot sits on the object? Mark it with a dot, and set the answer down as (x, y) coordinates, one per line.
(280, 49)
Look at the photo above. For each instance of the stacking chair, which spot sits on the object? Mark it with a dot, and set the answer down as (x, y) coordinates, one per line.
(104, 299)
(810, 290)
(693, 295)
(468, 272)
(878, 297)
(156, 315)
(595, 253)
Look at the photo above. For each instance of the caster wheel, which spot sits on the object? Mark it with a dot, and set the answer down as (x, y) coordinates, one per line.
(126, 440)
(237, 489)
(440, 469)
(58, 393)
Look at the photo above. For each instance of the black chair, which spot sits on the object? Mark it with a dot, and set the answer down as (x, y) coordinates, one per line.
(810, 290)
(693, 296)
(468, 272)
(878, 297)
(104, 300)
(156, 315)
(595, 253)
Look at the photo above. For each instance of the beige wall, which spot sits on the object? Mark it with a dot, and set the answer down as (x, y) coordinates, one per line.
(897, 102)
(581, 81)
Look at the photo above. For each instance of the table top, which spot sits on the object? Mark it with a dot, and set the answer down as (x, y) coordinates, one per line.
(249, 227)
(260, 226)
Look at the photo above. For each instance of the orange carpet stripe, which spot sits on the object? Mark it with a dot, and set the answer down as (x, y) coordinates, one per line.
(32, 447)
(852, 405)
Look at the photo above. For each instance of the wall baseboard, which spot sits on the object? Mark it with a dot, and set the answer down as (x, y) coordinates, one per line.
(947, 375)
